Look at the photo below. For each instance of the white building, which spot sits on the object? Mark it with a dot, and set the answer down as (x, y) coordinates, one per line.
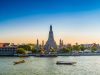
(6, 50)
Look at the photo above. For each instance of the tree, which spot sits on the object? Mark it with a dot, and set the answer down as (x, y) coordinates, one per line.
(69, 47)
(20, 51)
(65, 50)
(34, 50)
(25, 47)
(94, 47)
(76, 47)
(82, 48)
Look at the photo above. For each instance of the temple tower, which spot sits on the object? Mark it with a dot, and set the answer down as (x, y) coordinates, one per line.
(50, 42)
(37, 45)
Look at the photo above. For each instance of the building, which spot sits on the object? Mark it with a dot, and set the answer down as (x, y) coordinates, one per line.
(7, 50)
(50, 42)
(4, 44)
(90, 45)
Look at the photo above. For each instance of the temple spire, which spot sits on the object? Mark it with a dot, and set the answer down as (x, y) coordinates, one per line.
(37, 42)
(60, 42)
(50, 42)
(43, 43)
(50, 27)
(37, 45)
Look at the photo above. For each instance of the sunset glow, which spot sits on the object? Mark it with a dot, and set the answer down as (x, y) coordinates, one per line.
(72, 20)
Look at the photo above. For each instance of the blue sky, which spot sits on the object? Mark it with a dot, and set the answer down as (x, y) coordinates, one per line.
(23, 21)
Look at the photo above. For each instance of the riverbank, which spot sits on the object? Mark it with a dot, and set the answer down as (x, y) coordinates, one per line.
(59, 54)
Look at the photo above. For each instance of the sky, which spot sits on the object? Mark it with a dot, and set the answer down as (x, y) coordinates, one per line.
(23, 21)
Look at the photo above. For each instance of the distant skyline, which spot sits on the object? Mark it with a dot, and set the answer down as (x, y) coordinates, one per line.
(23, 21)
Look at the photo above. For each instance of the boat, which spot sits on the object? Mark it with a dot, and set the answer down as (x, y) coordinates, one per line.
(18, 62)
(65, 63)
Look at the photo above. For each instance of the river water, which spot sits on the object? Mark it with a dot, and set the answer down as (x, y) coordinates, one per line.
(86, 65)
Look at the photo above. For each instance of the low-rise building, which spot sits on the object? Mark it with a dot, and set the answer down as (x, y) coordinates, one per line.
(6, 50)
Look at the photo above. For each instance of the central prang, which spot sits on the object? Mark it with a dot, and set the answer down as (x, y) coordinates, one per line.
(50, 45)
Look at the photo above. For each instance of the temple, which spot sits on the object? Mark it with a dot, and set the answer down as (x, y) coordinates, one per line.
(50, 42)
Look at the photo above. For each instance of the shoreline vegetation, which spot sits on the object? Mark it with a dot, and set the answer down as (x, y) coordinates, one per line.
(25, 50)
(68, 50)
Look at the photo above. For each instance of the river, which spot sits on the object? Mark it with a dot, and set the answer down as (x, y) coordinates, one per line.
(86, 65)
